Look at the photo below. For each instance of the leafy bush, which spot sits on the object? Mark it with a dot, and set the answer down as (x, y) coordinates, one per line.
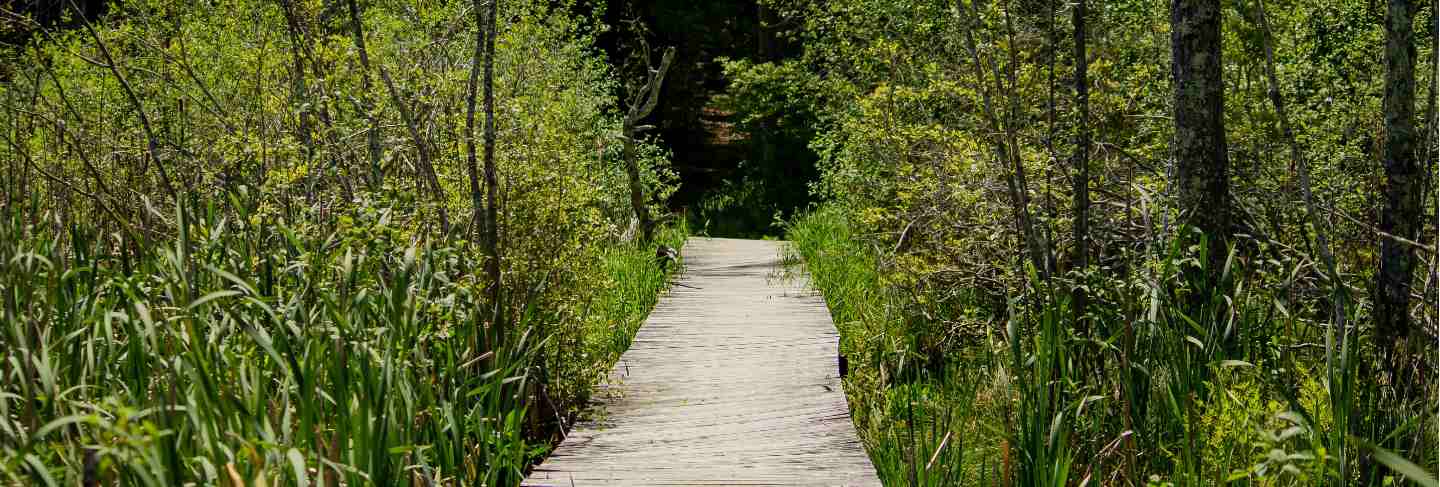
(933, 112)
(1168, 393)
(311, 310)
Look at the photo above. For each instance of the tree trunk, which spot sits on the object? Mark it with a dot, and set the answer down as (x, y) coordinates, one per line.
(1006, 155)
(492, 189)
(372, 136)
(314, 101)
(1302, 166)
(1431, 137)
(300, 93)
(1401, 213)
(1202, 163)
(477, 198)
(1082, 167)
(424, 171)
(641, 104)
(1039, 250)
(1338, 294)
(1052, 50)
(637, 190)
(152, 145)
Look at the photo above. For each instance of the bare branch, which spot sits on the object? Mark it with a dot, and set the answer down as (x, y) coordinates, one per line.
(153, 143)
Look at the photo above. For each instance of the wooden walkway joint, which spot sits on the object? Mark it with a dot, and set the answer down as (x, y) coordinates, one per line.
(732, 380)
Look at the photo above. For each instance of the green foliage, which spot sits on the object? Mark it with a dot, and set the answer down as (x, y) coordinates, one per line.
(333, 357)
(736, 209)
(353, 363)
(1163, 392)
(305, 319)
(779, 97)
(920, 423)
(610, 316)
(772, 107)
(1166, 380)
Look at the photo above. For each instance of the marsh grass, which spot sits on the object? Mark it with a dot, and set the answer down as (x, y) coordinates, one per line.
(1176, 384)
(918, 425)
(635, 278)
(239, 353)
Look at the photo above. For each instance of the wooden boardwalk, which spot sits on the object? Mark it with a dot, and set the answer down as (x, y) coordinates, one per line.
(733, 380)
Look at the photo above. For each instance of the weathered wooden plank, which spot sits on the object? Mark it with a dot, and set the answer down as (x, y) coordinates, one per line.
(731, 381)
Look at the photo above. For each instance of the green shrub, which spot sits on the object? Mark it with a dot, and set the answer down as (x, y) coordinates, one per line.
(306, 317)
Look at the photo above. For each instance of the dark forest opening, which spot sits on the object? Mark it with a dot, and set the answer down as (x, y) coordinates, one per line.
(47, 13)
(733, 181)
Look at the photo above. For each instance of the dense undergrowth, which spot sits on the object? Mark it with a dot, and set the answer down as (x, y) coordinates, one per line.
(903, 409)
(242, 243)
(348, 357)
(1225, 393)
(1017, 254)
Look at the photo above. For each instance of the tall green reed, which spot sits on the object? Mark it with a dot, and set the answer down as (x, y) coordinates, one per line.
(1184, 379)
(242, 351)
(917, 421)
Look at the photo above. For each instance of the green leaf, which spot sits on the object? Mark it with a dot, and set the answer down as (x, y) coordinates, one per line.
(1195, 341)
(297, 462)
(211, 297)
(1399, 464)
(40, 470)
(63, 422)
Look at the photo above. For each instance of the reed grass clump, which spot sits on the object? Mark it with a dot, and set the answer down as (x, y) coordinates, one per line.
(238, 353)
(1176, 382)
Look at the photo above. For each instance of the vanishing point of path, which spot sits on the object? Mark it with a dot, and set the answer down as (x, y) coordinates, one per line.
(733, 380)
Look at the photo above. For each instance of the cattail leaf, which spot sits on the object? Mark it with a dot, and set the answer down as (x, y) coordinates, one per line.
(39, 469)
(297, 463)
(1398, 464)
(63, 422)
(211, 297)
